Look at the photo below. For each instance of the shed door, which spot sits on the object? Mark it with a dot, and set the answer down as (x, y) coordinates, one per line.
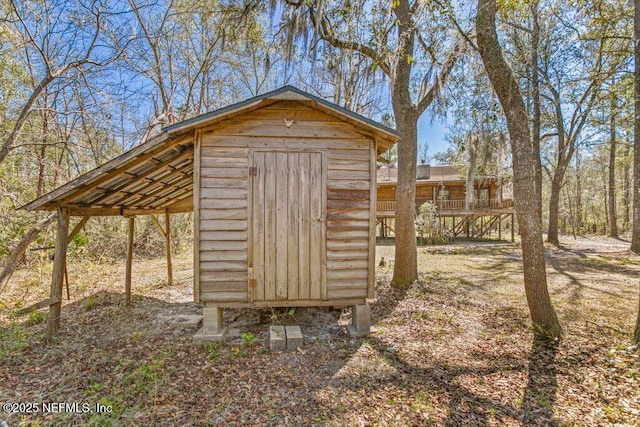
(288, 226)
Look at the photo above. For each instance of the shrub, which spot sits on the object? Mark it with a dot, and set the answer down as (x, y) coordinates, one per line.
(428, 226)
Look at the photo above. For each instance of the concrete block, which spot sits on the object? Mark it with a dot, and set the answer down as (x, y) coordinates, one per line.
(360, 320)
(212, 327)
(207, 335)
(212, 318)
(294, 337)
(277, 338)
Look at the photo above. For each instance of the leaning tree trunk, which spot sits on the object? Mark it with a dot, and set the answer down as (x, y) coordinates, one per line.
(526, 199)
(21, 247)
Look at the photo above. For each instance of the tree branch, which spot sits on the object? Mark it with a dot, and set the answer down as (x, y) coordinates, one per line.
(325, 32)
(435, 89)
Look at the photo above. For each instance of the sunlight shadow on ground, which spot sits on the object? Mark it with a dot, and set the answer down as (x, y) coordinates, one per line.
(437, 378)
(542, 386)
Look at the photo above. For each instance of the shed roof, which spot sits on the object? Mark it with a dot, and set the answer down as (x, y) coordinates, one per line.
(157, 175)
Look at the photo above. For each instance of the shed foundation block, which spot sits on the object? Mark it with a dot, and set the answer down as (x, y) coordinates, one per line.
(212, 327)
(360, 320)
(294, 337)
(277, 338)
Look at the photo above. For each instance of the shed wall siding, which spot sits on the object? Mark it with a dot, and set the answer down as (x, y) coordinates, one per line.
(224, 200)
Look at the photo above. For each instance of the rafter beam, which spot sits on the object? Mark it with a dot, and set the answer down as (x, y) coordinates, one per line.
(122, 188)
(126, 162)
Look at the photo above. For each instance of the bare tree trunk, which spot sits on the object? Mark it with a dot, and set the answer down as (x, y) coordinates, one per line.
(535, 82)
(605, 193)
(554, 201)
(405, 269)
(21, 247)
(526, 199)
(613, 222)
(472, 151)
(572, 220)
(626, 190)
(636, 331)
(43, 148)
(635, 235)
(578, 193)
(635, 238)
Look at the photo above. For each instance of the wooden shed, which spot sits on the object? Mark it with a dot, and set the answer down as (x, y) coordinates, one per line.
(283, 191)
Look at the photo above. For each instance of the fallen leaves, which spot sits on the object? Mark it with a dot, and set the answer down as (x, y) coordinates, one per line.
(454, 349)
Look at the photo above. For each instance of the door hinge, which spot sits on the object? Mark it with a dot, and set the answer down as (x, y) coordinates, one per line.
(253, 171)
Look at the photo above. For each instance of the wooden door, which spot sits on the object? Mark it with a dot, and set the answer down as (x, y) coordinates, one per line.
(288, 226)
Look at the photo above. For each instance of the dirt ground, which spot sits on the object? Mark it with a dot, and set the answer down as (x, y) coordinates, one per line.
(455, 349)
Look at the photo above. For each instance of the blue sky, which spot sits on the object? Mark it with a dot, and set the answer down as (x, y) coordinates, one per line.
(434, 131)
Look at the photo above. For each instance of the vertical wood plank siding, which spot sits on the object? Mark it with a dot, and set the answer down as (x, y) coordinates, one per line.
(295, 263)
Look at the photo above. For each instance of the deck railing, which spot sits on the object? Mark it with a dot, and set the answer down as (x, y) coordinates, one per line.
(454, 205)
(386, 206)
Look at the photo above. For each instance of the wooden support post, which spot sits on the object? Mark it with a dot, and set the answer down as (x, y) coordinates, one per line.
(499, 226)
(167, 234)
(57, 277)
(66, 281)
(127, 279)
(512, 233)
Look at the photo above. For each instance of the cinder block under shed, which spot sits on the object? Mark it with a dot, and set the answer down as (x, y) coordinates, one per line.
(294, 337)
(277, 338)
(212, 327)
(360, 320)
(285, 338)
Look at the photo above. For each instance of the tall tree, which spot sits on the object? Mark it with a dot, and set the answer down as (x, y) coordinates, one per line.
(573, 80)
(635, 238)
(405, 41)
(611, 190)
(526, 200)
(635, 234)
(535, 95)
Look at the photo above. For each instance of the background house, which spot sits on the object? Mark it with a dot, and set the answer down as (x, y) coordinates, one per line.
(445, 187)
